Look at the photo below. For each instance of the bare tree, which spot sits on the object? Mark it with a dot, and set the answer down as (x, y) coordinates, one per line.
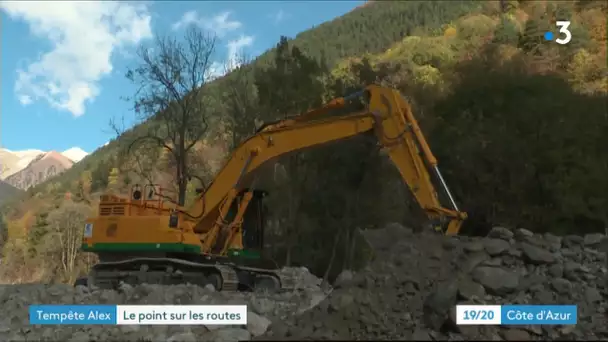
(67, 225)
(171, 98)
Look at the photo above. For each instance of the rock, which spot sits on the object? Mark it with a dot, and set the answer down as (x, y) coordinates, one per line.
(496, 246)
(79, 336)
(315, 299)
(573, 240)
(421, 335)
(341, 301)
(231, 335)
(515, 335)
(130, 328)
(437, 305)
(571, 270)
(522, 233)
(552, 239)
(603, 247)
(544, 296)
(256, 324)
(494, 262)
(473, 261)
(592, 295)
(515, 253)
(345, 278)
(568, 329)
(536, 255)
(183, 337)
(501, 233)
(262, 306)
(473, 247)
(593, 239)
(561, 286)
(496, 280)
(556, 270)
(450, 243)
(534, 329)
(468, 289)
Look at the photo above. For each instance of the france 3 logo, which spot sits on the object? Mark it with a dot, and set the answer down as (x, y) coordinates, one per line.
(564, 35)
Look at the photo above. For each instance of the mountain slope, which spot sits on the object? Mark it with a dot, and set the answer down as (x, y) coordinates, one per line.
(375, 27)
(43, 167)
(12, 162)
(368, 29)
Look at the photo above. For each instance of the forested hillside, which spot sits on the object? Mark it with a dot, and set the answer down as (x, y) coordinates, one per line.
(518, 125)
(7, 191)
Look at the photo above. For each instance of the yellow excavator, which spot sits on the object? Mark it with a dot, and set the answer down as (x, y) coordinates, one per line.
(219, 240)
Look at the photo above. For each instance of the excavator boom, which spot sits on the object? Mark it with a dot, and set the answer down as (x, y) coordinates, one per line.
(388, 116)
(139, 240)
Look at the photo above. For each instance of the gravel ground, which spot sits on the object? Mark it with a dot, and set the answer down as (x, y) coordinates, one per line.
(408, 292)
(263, 309)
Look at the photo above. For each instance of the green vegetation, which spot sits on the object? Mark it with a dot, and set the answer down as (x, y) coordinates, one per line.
(7, 191)
(518, 125)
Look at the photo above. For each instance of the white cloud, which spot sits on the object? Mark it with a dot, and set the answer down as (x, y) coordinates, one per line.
(25, 100)
(215, 70)
(84, 36)
(279, 16)
(221, 24)
(235, 48)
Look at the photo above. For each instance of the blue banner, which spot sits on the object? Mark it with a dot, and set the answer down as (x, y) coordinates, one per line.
(538, 314)
(228, 315)
(73, 314)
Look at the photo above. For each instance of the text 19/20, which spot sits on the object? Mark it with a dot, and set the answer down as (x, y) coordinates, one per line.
(476, 315)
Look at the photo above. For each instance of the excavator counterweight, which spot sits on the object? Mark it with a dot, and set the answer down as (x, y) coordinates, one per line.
(219, 240)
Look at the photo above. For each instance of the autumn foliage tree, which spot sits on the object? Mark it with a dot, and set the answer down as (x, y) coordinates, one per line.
(113, 178)
(3, 231)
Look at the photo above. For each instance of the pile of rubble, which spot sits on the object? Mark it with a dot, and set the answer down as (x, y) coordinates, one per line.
(264, 308)
(410, 291)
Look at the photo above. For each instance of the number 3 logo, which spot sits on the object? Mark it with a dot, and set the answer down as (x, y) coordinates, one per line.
(563, 28)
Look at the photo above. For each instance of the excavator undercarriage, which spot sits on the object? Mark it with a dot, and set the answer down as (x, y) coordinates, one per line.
(223, 275)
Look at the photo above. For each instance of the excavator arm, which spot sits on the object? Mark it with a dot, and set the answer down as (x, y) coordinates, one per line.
(388, 116)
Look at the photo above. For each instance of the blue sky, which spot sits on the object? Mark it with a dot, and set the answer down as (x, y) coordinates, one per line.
(63, 63)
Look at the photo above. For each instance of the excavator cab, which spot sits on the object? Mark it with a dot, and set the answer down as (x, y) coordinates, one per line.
(253, 225)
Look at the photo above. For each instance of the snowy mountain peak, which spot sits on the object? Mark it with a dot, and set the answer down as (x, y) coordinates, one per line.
(76, 154)
(28, 154)
(12, 162)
